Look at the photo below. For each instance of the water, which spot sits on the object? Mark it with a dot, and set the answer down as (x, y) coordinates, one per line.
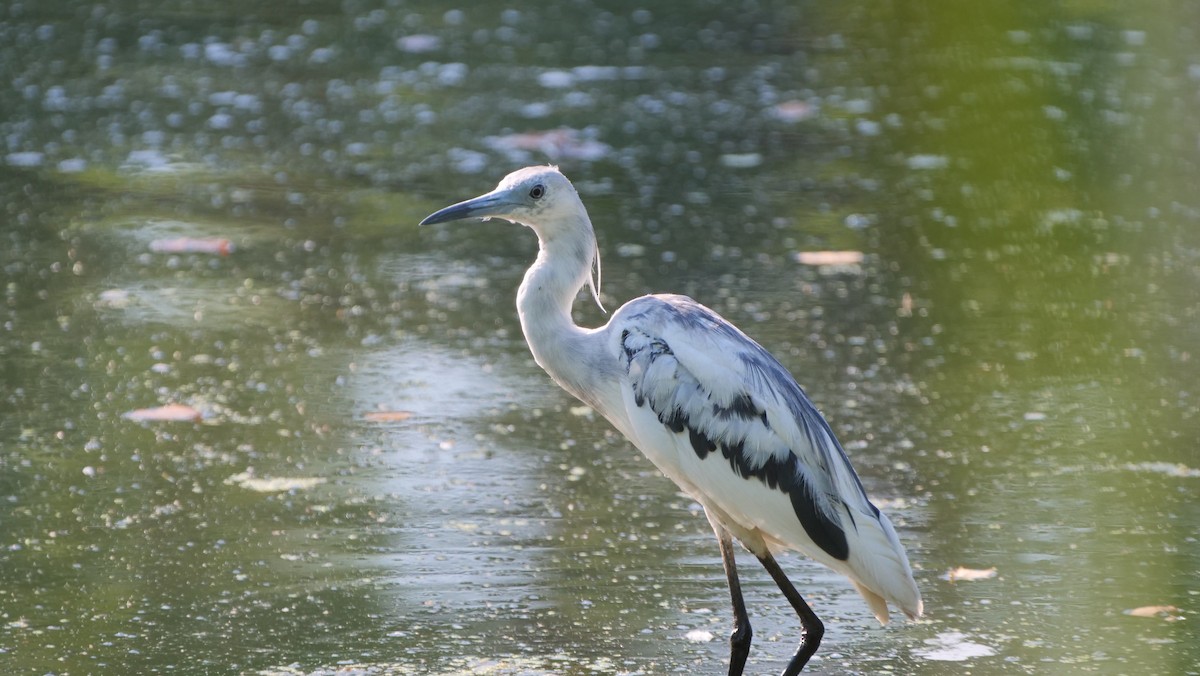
(382, 481)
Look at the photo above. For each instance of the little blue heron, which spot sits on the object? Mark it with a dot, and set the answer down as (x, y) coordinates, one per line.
(711, 408)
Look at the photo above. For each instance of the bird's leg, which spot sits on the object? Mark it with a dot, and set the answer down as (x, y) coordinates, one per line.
(812, 627)
(739, 640)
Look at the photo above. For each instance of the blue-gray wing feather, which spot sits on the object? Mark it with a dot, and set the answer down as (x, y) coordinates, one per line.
(718, 388)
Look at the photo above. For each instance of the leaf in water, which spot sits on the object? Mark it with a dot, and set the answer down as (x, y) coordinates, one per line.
(822, 258)
(250, 482)
(387, 416)
(168, 413)
(1168, 613)
(209, 245)
(969, 574)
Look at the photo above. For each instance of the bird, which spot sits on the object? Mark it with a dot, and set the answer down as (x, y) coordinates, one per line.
(709, 406)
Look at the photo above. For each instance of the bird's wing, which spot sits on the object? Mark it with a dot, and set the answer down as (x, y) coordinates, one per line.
(715, 393)
(704, 378)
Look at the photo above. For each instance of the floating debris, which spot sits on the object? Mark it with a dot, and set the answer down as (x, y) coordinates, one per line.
(250, 482)
(1168, 613)
(181, 245)
(168, 413)
(969, 574)
(387, 416)
(823, 258)
(699, 636)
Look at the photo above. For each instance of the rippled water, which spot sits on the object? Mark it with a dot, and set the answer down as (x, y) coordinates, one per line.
(214, 205)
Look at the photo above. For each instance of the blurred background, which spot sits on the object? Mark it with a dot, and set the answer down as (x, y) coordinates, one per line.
(253, 419)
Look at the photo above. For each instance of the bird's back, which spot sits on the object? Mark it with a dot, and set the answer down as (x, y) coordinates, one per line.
(727, 422)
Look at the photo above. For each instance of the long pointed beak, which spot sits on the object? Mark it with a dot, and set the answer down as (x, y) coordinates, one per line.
(494, 203)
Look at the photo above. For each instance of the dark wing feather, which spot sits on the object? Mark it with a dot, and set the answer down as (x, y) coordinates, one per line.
(705, 379)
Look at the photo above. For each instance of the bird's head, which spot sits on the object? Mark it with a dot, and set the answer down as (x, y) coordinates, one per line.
(544, 200)
(539, 197)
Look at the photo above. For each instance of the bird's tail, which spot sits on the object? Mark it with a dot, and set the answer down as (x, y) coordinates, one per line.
(880, 570)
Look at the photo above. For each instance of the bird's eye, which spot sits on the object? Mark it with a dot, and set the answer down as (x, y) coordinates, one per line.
(537, 191)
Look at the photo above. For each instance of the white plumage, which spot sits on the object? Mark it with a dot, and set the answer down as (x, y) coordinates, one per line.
(710, 407)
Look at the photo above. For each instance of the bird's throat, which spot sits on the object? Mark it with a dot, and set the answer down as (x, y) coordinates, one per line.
(544, 305)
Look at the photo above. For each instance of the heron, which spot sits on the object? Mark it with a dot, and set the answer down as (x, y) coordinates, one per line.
(709, 406)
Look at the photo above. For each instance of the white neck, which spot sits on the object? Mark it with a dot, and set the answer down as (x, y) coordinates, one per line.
(544, 302)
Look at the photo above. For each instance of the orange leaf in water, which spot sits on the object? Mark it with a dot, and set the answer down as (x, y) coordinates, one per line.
(168, 413)
(829, 257)
(1169, 613)
(387, 416)
(969, 574)
(182, 245)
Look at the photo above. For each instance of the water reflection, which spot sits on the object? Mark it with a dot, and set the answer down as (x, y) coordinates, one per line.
(1011, 363)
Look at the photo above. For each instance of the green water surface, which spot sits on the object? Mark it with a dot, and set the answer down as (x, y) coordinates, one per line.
(382, 481)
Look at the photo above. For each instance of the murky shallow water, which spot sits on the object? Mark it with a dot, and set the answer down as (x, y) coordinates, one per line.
(382, 481)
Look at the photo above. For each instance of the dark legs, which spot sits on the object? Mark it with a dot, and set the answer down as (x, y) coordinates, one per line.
(813, 629)
(739, 640)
